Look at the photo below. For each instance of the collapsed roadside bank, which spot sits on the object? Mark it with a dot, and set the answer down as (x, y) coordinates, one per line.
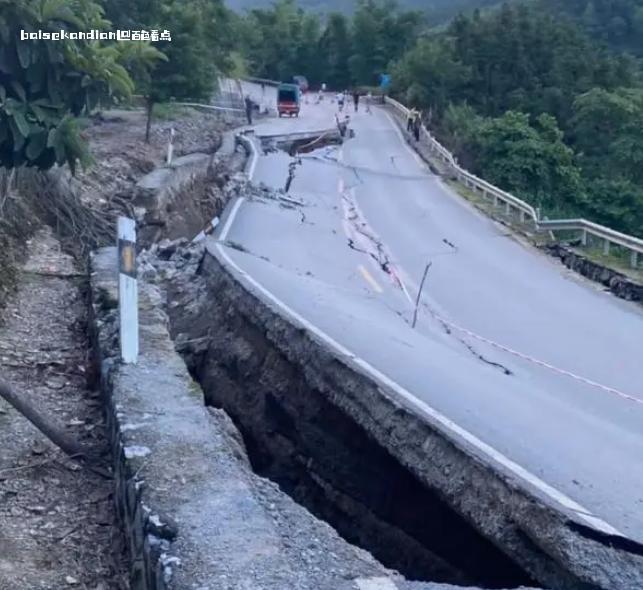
(255, 363)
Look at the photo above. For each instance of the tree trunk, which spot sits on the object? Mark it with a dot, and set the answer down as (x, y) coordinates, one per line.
(53, 432)
(148, 125)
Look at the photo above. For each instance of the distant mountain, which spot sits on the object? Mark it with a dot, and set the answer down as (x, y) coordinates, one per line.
(437, 10)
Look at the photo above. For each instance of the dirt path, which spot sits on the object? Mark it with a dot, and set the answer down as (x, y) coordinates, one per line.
(57, 522)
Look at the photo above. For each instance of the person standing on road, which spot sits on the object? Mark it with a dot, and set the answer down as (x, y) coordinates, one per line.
(410, 120)
(417, 126)
(249, 106)
(369, 100)
(340, 101)
(356, 99)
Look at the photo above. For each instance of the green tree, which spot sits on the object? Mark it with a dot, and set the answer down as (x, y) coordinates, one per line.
(604, 114)
(335, 49)
(616, 203)
(428, 75)
(276, 40)
(381, 34)
(194, 56)
(460, 129)
(530, 160)
(44, 85)
(132, 14)
(309, 61)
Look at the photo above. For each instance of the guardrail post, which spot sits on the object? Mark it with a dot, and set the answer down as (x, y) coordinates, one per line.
(606, 247)
(127, 290)
(507, 208)
(634, 260)
(495, 200)
(523, 216)
(583, 237)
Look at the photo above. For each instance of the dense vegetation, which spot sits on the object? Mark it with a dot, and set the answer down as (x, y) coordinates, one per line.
(434, 11)
(44, 85)
(531, 103)
(202, 41)
(617, 22)
(285, 40)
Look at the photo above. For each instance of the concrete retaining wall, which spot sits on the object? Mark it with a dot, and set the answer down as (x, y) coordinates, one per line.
(195, 515)
(176, 201)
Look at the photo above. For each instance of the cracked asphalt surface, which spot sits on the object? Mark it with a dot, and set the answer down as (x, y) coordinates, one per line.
(351, 259)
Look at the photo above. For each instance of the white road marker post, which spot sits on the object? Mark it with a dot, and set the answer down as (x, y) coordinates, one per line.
(207, 230)
(170, 147)
(127, 290)
(417, 300)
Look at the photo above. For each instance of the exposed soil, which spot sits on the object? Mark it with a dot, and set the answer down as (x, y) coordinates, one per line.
(57, 521)
(312, 449)
(118, 145)
(16, 225)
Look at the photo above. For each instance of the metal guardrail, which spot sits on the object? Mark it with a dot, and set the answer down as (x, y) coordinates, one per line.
(529, 214)
(609, 236)
(212, 107)
(261, 81)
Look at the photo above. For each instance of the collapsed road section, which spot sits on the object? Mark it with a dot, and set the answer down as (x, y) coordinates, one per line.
(312, 448)
(344, 443)
(194, 513)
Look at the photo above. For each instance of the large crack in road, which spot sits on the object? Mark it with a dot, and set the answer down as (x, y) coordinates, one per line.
(362, 238)
(284, 448)
(315, 451)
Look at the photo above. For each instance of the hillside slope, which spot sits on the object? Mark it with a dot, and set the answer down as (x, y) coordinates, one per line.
(436, 10)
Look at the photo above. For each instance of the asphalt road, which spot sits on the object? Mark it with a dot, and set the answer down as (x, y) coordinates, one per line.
(493, 310)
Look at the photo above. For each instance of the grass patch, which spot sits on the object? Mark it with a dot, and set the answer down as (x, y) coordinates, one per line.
(168, 111)
(618, 259)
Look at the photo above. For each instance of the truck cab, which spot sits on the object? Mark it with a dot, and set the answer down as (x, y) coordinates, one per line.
(288, 100)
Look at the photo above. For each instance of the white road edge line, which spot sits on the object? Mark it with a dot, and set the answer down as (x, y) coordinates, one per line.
(483, 448)
(253, 159)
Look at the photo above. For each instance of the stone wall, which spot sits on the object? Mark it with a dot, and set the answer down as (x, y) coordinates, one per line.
(147, 536)
(616, 282)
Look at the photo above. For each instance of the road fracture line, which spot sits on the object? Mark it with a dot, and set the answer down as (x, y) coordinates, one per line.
(456, 432)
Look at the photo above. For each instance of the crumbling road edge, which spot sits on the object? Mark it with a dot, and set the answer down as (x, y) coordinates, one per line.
(536, 532)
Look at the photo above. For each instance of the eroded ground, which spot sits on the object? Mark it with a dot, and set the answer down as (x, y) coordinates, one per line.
(57, 521)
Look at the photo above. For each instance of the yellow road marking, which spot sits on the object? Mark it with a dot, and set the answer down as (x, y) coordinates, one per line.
(369, 279)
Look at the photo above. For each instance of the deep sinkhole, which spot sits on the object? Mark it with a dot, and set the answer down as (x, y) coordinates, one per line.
(326, 462)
